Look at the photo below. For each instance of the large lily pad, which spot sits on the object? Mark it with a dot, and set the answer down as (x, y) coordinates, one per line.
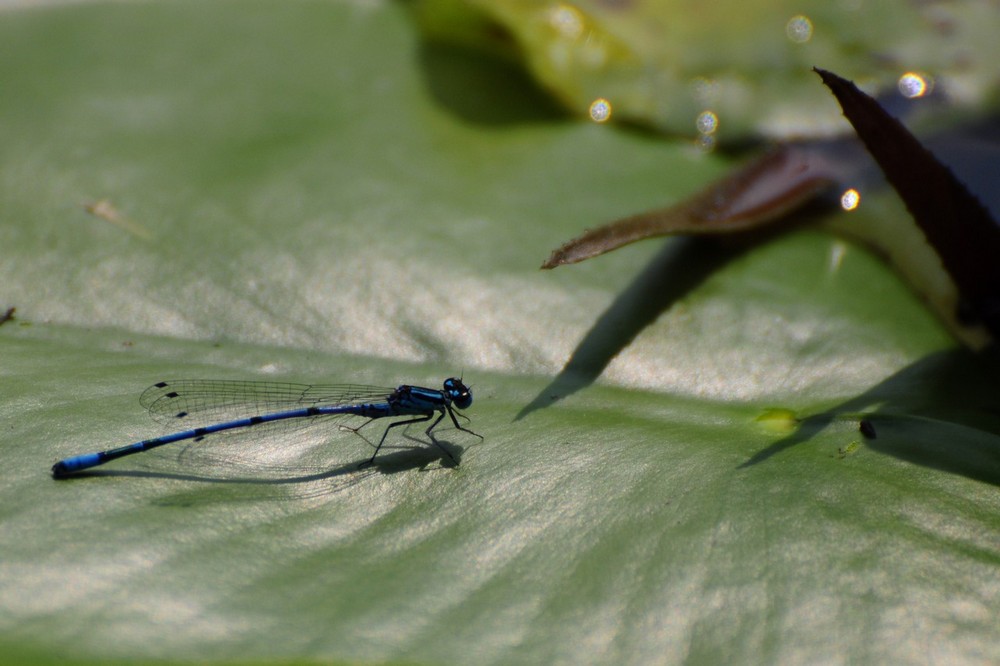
(305, 201)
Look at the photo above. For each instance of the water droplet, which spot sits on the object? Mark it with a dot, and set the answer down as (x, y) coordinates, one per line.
(850, 199)
(567, 21)
(914, 85)
(799, 29)
(600, 110)
(707, 122)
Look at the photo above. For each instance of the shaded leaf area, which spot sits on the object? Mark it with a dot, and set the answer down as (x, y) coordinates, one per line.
(674, 273)
(320, 209)
(954, 409)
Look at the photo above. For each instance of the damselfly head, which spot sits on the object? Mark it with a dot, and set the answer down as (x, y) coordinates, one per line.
(460, 394)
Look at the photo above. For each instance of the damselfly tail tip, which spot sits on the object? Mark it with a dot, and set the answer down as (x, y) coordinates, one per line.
(60, 470)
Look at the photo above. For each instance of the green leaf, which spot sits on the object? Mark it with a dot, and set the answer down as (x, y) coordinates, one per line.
(319, 206)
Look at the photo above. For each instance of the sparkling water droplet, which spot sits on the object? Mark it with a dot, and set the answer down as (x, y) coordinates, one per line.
(707, 122)
(914, 85)
(850, 199)
(600, 110)
(799, 29)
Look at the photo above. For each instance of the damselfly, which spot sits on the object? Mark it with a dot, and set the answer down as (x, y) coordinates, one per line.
(207, 407)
